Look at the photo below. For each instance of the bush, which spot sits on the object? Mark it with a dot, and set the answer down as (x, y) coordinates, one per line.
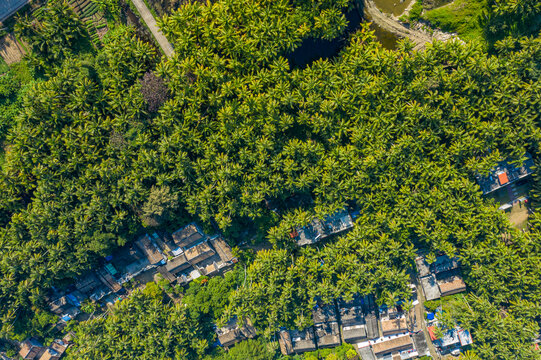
(351, 354)
(154, 91)
(249, 349)
(432, 305)
(416, 11)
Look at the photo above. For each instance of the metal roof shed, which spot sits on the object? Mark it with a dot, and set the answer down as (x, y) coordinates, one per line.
(9, 7)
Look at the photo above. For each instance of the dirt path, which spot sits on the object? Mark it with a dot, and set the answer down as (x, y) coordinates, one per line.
(391, 24)
(151, 23)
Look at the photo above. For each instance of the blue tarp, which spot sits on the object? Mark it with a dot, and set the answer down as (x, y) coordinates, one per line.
(8, 7)
(73, 300)
(430, 316)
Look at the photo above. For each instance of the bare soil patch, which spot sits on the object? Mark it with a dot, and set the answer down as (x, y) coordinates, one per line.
(10, 49)
(518, 215)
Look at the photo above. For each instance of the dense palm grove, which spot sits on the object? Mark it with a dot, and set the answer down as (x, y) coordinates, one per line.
(399, 134)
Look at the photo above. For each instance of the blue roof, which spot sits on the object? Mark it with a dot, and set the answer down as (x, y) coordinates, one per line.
(8, 7)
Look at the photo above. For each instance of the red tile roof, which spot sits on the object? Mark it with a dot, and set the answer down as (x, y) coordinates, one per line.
(503, 178)
(431, 331)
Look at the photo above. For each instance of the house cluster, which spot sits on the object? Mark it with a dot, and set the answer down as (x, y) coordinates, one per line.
(440, 278)
(320, 229)
(378, 334)
(180, 258)
(32, 349)
(505, 174)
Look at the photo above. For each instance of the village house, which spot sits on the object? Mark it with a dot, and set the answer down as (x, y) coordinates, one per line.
(86, 284)
(419, 341)
(232, 333)
(65, 306)
(326, 325)
(209, 256)
(394, 326)
(56, 350)
(177, 265)
(31, 349)
(323, 313)
(504, 174)
(452, 340)
(105, 274)
(130, 261)
(352, 320)
(442, 278)
(451, 285)
(91, 286)
(198, 253)
(151, 250)
(59, 305)
(219, 259)
(370, 311)
(320, 229)
(50, 354)
(365, 351)
(297, 341)
(327, 335)
(395, 347)
(353, 324)
(186, 237)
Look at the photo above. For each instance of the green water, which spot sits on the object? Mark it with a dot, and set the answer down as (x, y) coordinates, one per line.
(395, 7)
(386, 38)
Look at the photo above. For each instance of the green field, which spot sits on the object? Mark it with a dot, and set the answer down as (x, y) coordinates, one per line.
(460, 16)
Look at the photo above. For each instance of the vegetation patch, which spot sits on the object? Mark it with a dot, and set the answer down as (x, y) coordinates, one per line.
(460, 16)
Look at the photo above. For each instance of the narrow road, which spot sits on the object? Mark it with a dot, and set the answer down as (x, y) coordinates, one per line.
(151, 23)
(420, 314)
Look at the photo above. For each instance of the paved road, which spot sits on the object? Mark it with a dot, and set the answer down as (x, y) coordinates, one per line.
(151, 23)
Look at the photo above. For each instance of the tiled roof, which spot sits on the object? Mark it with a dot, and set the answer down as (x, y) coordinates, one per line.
(396, 344)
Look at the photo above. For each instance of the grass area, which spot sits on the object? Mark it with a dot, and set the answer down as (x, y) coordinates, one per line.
(3, 66)
(432, 305)
(518, 215)
(460, 16)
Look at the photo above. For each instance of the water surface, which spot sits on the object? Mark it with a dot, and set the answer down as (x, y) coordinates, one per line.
(395, 7)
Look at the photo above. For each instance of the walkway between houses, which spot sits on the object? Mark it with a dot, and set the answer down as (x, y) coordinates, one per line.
(420, 315)
(151, 23)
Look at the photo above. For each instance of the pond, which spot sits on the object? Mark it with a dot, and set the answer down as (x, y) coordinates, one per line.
(315, 49)
(386, 38)
(395, 7)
